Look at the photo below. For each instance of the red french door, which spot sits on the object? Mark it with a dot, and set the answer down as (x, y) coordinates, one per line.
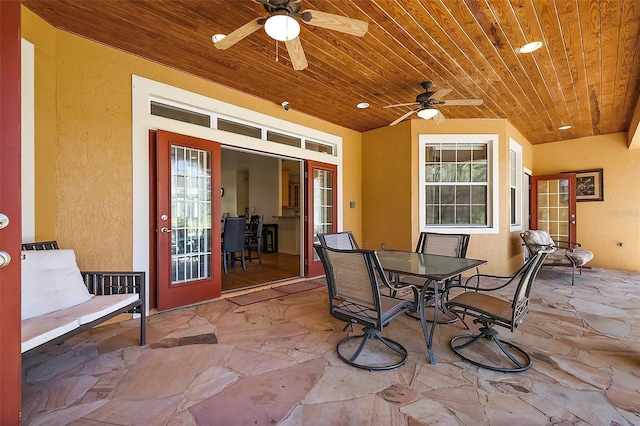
(10, 207)
(321, 210)
(187, 220)
(553, 205)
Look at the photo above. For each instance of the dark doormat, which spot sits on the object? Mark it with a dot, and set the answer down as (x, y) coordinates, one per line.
(273, 293)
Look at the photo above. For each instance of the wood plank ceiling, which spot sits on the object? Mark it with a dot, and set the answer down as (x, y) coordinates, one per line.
(587, 74)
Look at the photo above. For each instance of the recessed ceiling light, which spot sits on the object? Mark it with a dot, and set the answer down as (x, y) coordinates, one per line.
(564, 127)
(217, 37)
(363, 105)
(530, 47)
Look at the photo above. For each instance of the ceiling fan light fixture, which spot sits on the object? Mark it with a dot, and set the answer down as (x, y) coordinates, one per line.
(427, 113)
(282, 27)
(530, 47)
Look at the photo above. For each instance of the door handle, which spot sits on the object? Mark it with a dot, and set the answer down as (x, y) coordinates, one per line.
(5, 259)
(4, 220)
(165, 230)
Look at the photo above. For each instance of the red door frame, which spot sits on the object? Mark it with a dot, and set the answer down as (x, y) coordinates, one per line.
(313, 267)
(152, 278)
(10, 205)
(169, 296)
(533, 224)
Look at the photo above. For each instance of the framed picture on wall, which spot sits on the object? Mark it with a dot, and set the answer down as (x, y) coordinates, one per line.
(589, 185)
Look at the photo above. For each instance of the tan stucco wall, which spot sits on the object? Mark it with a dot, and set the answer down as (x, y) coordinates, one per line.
(602, 224)
(83, 142)
(387, 188)
(390, 190)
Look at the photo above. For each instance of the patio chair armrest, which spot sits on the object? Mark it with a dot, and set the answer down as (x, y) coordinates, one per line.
(534, 248)
(399, 285)
(568, 244)
(476, 284)
(477, 279)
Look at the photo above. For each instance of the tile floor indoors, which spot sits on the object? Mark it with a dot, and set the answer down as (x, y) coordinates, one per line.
(275, 363)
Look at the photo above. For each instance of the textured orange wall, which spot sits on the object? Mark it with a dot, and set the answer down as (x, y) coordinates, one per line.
(602, 224)
(386, 189)
(83, 126)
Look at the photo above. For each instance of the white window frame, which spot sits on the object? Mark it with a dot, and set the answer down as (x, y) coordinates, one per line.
(519, 171)
(491, 140)
(27, 137)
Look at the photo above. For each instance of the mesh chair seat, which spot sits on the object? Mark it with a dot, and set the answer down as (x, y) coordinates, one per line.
(389, 309)
(484, 304)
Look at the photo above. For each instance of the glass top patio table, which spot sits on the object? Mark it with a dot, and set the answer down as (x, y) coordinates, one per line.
(434, 268)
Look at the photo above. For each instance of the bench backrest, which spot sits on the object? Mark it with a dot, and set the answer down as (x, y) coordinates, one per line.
(51, 281)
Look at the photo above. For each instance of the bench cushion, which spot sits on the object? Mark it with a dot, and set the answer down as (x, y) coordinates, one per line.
(36, 332)
(51, 281)
(559, 257)
(93, 309)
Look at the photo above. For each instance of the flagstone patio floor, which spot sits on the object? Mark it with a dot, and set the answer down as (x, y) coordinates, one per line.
(275, 363)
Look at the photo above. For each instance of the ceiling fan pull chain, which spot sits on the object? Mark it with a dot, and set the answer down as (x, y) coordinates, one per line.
(276, 50)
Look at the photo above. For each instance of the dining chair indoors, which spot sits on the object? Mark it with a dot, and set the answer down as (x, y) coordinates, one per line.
(233, 241)
(485, 349)
(353, 281)
(253, 240)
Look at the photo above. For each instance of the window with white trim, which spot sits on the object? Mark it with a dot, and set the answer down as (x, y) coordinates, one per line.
(457, 180)
(515, 185)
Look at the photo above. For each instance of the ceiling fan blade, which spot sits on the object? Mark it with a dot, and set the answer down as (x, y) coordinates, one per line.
(330, 21)
(399, 119)
(397, 105)
(438, 118)
(439, 94)
(237, 35)
(296, 54)
(462, 102)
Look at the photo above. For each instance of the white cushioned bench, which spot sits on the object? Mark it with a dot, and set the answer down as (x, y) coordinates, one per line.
(58, 300)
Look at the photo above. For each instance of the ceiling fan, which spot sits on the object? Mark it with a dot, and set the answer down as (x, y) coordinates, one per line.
(428, 100)
(282, 25)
